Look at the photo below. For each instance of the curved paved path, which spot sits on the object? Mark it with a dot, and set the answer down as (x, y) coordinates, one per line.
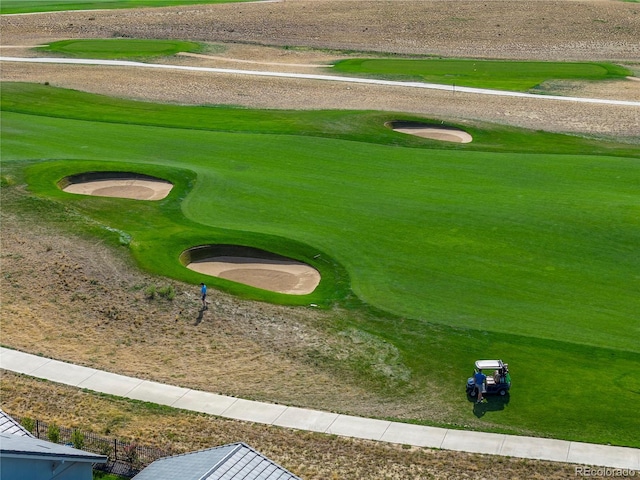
(318, 421)
(334, 78)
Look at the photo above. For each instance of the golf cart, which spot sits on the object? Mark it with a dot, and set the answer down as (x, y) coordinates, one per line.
(498, 378)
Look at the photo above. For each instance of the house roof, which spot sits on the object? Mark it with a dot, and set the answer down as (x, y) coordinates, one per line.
(9, 425)
(237, 461)
(17, 442)
(19, 446)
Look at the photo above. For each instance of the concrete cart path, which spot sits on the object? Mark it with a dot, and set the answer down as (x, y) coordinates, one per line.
(308, 76)
(318, 421)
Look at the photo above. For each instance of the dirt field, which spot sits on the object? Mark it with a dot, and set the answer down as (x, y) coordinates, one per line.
(597, 30)
(77, 300)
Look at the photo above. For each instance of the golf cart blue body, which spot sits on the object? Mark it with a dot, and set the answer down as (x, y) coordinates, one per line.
(498, 378)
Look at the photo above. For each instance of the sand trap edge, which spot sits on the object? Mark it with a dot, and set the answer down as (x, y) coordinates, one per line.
(431, 131)
(253, 267)
(135, 186)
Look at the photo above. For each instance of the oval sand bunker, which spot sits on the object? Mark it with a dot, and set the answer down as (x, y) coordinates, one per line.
(253, 267)
(117, 185)
(434, 132)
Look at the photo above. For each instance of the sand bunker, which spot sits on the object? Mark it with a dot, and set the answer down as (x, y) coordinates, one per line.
(116, 184)
(434, 132)
(253, 267)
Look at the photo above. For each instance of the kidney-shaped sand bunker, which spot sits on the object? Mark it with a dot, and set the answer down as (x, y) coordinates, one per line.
(117, 184)
(254, 267)
(434, 132)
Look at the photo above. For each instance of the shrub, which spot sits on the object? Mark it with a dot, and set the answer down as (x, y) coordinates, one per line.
(29, 424)
(53, 433)
(77, 438)
(167, 292)
(131, 455)
(150, 292)
(104, 448)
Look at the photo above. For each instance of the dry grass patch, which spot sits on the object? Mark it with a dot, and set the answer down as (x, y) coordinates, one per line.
(312, 456)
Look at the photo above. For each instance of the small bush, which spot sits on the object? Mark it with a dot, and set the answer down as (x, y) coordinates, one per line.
(150, 292)
(53, 433)
(104, 448)
(77, 438)
(29, 424)
(167, 292)
(131, 455)
(6, 181)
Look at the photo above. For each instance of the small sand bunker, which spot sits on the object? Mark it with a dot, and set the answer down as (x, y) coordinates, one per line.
(434, 132)
(253, 267)
(117, 184)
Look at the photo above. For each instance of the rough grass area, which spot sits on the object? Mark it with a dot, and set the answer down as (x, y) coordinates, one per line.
(499, 75)
(312, 456)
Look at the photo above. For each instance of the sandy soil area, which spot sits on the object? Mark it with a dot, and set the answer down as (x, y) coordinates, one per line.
(444, 134)
(544, 29)
(290, 277)
(135, 189)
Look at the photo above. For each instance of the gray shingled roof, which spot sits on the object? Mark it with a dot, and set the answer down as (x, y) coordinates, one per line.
(31, 447)
(237, 461)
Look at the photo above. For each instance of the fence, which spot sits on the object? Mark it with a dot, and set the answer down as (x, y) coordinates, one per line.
(125, 459)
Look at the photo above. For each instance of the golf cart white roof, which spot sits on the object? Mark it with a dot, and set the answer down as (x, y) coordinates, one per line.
(489, 364)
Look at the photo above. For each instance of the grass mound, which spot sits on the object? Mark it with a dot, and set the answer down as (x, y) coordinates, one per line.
(120, 48)
(494, 74)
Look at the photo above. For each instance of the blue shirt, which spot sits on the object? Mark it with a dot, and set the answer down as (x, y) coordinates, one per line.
(203, 290)
(479, 378)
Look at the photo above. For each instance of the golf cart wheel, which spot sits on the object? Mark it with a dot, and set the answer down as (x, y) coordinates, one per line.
(503, 393)
(473, 393)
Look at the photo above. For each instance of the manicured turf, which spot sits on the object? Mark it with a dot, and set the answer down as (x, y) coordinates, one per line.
(30, 6)
(520, 245)
(120, 48)
(500, 75)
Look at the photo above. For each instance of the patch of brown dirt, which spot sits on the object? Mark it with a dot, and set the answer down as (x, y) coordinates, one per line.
(544, 29)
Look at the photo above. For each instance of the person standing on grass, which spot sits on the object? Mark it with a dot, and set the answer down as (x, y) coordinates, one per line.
(203, 294)
(480, 378)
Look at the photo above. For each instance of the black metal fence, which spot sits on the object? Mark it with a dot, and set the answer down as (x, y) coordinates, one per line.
(124, 458)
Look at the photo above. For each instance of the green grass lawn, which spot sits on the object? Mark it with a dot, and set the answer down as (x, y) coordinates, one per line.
(120, 48)
(494, 74)
(98, 475)
(30, 6)
(520, 245)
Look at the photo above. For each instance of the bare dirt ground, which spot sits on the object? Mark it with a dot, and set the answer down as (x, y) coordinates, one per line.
(74, 299)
